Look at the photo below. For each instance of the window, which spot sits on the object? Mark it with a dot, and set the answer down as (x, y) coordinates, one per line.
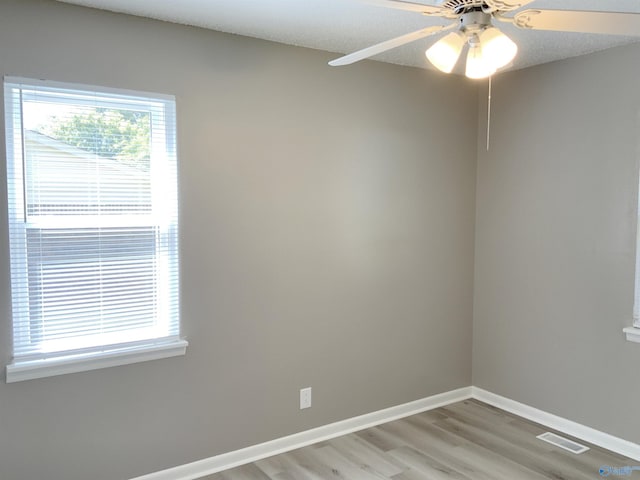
(636, 302)
(92, 190)
(633, 333)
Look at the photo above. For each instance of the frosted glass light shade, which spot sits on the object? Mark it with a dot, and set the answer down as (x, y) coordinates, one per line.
(477, 65)
(445, 52)
(497, 48)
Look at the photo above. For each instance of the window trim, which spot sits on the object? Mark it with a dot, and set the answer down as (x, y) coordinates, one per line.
(25, 368)
(28, 370)
(632, 333)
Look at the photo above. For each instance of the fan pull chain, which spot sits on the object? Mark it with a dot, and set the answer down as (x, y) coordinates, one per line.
(489, 114)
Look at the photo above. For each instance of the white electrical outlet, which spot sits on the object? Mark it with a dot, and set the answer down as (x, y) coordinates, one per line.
(305, 398)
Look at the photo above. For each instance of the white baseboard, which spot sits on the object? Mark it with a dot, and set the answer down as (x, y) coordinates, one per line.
(208, 466)
(588, 434)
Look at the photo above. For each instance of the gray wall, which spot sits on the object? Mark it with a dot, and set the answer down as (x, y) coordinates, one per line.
(556, 206)
(327, 238)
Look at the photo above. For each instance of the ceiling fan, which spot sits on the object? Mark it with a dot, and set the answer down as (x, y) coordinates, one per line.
(490, 49)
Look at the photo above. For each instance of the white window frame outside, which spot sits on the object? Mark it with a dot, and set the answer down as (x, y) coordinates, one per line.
(135, 346)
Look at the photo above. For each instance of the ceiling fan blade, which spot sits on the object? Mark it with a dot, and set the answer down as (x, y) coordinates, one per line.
(612, 23)
(388, 45)
(507, 5)
(409, 6)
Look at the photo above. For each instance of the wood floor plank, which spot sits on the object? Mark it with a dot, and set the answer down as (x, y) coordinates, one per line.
(523, 433)
(529, 456)
(338, 462)
(317, 465)
(409, 475)
(381, 439)
(285, 476)
(468, 440)
(536, 429)
(499, 466)
(244, 472)
(272, 466)
(300, 472)
(439, 444)
(368, 457)
(479, 458)
(419, 463)
(497, 440)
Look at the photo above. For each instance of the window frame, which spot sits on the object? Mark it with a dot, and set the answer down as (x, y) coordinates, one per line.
(632, 333)
(163, 142)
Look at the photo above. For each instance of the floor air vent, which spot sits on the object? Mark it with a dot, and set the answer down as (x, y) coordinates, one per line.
(561, 442)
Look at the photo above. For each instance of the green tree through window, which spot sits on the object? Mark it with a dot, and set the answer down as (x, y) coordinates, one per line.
(124, 135)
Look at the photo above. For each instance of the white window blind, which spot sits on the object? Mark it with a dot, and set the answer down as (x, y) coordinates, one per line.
(92, 190)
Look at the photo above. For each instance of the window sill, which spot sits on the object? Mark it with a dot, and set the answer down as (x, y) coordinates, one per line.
(28, 370)
(633, 334)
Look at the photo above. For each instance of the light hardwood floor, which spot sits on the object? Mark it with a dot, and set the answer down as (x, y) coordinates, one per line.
(468, 440)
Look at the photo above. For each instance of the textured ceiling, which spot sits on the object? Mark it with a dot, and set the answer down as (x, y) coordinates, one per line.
(343, 26)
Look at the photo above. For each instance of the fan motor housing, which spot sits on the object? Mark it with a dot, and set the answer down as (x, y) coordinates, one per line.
(475, 21)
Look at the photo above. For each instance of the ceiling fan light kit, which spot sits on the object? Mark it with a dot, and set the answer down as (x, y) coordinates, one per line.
(477, 64)
(497, 48)
(445, 52)
(488, 48)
